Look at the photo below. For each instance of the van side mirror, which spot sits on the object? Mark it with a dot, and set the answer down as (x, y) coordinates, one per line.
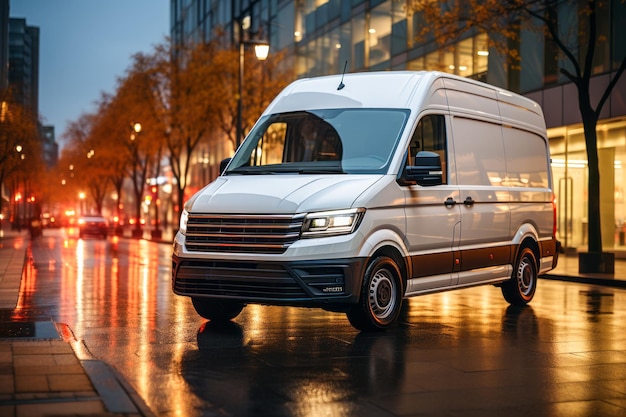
(426, 169)
(223, 164)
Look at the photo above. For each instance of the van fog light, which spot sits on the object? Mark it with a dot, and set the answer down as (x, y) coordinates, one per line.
(323, 279)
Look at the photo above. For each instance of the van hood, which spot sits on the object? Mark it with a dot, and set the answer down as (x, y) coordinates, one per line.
(279, 194)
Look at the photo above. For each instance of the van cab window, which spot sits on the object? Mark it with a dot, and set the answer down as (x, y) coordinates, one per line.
(430, 135)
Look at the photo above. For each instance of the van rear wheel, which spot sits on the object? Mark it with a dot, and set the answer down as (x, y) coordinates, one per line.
(218, 311)
(381, 296)
(520, 289)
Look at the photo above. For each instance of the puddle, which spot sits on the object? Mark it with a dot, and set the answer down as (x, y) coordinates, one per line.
(28, 330)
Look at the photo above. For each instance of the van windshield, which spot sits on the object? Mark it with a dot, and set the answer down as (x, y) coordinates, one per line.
(350, 141)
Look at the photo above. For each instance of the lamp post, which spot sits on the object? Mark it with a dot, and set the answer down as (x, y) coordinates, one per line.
(19, 195)
(261, 50)
(137, 232)
(154, 191)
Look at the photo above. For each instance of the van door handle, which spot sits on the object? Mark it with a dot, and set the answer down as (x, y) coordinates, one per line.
(450, 202)
(468, 201)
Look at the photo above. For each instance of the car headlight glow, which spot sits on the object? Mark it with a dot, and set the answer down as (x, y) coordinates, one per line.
(182, 228)
(332, 223)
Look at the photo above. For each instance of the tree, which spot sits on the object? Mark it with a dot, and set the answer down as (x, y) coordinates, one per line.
(448, 20)
(186, 104)
(135, 100)
(112, 130)
(196, 89)
(88, 155)
(263, 80)
(183, 96)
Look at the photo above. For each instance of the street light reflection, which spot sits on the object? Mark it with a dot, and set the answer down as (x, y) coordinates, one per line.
(78, 288)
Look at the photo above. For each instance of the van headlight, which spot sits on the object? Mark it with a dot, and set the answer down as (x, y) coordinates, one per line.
(332, 223)
(182, 227)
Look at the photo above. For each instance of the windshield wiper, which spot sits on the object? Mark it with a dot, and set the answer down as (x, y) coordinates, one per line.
(319, 171)
(290, 169)
(249, 171)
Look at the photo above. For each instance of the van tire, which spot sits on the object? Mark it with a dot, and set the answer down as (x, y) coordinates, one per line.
(218, 311)
(520, 289)
(381, 296)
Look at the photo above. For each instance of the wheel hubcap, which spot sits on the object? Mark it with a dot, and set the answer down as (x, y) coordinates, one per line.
(525, 276)
(382, 295)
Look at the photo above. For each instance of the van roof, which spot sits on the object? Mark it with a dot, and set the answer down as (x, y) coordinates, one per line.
(385, 89)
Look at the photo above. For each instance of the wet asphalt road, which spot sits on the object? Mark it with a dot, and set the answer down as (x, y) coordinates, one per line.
(464, 353)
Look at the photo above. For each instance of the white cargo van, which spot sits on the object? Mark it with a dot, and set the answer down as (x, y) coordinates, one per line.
(353, 193)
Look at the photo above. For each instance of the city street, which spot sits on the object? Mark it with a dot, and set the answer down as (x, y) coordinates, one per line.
(464, 353)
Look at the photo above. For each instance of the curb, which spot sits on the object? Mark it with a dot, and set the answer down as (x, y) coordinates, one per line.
(116, 393)
(605, 282)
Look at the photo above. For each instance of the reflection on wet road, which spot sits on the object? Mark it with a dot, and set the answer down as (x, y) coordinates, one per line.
(459, 353)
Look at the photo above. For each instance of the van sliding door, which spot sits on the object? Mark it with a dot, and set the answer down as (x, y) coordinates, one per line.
(484, 200)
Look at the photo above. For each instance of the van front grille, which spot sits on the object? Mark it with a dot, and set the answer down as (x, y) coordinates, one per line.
(270, 234)
(240, 279)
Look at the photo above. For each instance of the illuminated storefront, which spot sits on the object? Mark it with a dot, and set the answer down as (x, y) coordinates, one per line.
(569, 168)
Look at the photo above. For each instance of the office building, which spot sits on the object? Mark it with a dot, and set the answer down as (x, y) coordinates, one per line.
(24, 63)
(4, 44)
(23, 79)
(320, 36)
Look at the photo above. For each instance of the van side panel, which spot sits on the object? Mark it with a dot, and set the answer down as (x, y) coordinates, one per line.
(519, 111)
(530, 188)
(503, 176)
(526, 161)
(481, 170)
(470, 99)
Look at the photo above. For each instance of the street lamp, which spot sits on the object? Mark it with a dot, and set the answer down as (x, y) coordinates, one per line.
(261, 50)
(136, 129)
(81, 197)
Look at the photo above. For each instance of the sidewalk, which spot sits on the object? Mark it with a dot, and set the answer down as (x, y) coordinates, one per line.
(567, 270)
(44, 370)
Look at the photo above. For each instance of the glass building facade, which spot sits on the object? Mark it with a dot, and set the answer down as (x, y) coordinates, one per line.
(325, 36)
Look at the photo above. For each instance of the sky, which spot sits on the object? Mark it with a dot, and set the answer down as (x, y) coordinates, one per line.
(85, 46)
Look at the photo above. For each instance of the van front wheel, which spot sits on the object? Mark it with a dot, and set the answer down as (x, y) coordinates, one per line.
(218, 311)
(381, 296)
(520, 289)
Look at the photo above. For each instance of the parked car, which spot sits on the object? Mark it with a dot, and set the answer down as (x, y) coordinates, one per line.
(93, 226)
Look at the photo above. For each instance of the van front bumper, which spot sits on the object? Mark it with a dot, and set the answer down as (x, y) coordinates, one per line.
(330, 284)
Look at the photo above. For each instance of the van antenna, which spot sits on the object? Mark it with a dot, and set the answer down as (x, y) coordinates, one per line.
(341, 84)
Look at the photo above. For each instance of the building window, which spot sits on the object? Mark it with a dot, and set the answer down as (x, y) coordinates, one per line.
(618, 12)
(467, 58)
(358, 41)
(399, 34)
(286, 32)
(379, 34)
